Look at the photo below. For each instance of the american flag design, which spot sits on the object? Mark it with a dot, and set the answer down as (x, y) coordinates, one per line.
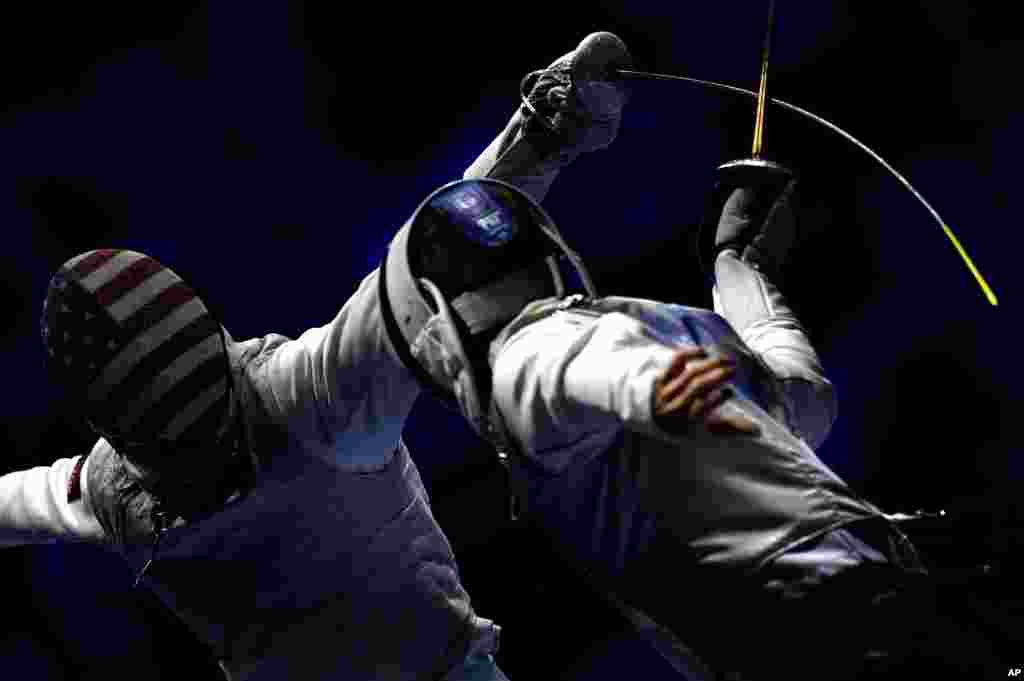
(131, 338)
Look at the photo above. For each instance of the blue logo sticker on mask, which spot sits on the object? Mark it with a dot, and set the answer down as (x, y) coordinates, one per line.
(481, 217)
(494, 229)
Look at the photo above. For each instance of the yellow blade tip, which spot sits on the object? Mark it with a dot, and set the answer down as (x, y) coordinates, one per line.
(970, 265)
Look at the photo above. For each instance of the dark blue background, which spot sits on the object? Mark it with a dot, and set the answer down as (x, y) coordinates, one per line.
(268, 151)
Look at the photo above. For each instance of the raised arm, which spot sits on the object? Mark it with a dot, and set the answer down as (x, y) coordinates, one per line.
(340, 387)
(750, 251)
(581, 112)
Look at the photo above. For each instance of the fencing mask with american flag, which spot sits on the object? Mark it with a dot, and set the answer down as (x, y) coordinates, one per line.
(131, 341)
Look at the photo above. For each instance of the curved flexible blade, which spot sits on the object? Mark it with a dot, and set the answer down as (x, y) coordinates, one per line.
(985, 288)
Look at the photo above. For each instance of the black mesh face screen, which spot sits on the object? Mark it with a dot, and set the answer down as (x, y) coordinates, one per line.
(474, 232)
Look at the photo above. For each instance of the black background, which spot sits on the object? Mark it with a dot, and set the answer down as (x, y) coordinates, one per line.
(268, 151)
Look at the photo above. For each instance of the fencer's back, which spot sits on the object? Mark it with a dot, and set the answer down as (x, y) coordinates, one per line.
(736, 502)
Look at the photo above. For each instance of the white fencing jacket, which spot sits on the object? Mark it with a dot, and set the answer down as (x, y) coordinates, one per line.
(576, 383)
(333, 567)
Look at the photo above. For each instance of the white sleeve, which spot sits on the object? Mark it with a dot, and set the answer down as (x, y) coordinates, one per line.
(519, 160)
(342, 387)
(567, 378)
(34, 506)
(752, 304)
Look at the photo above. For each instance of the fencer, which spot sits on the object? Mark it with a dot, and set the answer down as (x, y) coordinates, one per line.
(668, 450)
(260, 488)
